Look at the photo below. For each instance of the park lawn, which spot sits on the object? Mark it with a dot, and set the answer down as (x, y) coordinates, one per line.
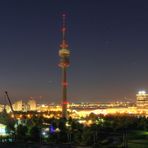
(140, 143)
(137, 139)
(136, 145)
(137, 134)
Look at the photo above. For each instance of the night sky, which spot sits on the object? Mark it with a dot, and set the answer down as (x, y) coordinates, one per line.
(108, 40)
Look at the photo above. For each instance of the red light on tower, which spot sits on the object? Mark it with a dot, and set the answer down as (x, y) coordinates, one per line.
(65, 102)
(65, 84)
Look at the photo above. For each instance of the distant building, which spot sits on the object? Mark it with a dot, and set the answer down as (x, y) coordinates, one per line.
(23, 106)
(1, 107)
(142, 99)
(32, 105)
(18, 106)
(8, 109)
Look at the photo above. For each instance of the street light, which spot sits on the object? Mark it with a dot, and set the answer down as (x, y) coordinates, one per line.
(69, 131)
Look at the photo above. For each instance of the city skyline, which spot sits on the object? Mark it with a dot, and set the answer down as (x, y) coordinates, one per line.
(108, 41)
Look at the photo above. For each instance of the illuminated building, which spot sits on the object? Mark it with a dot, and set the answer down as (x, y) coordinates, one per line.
(142, 99)
(64, 54)
(8, 109)
(1, 107)
(32, 105)
(3, 130)
(18, 106)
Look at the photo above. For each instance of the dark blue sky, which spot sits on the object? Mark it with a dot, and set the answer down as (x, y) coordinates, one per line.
(108, 40)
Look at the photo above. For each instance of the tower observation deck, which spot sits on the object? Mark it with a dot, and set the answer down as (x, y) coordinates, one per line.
(64, 54)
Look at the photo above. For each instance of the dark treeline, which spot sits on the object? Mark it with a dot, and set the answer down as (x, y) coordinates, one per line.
(95, 130)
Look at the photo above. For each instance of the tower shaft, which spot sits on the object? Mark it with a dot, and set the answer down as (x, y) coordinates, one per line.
(64, 92)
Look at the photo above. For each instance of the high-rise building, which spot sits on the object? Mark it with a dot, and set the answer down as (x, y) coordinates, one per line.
(32, 105)
(142, 99)
(64, 54)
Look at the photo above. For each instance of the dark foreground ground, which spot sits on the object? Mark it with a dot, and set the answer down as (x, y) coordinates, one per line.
(131, 144)
(135, 139)
(13, 145)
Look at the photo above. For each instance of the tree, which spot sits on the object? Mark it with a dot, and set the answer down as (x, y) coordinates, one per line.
(21, 134)
(35, 134)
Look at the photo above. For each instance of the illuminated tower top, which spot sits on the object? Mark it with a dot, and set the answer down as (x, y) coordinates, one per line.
(64, 52)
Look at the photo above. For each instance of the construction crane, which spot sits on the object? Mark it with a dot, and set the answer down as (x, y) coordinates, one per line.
(7, 96)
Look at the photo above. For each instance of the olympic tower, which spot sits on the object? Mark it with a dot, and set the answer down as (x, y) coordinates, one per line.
(64, 54)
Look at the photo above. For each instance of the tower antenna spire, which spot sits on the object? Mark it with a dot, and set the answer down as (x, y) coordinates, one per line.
(64, 44)
(64, 26)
